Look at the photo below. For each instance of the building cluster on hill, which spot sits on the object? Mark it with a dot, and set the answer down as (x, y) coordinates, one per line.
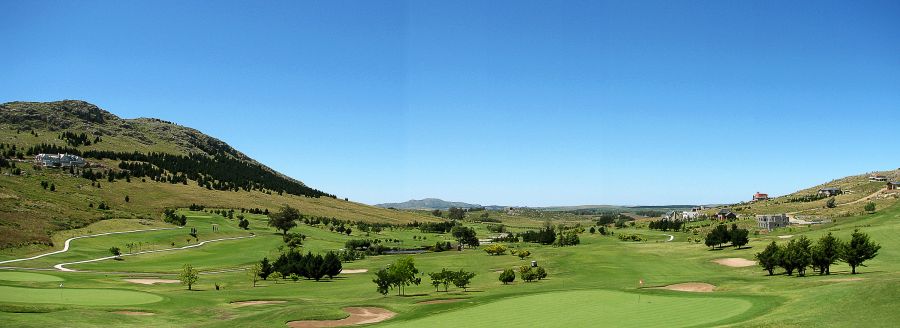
(59, 160)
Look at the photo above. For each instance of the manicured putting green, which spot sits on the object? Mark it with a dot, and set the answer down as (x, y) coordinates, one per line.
(27, 276)
(592, 308)
(76, 296)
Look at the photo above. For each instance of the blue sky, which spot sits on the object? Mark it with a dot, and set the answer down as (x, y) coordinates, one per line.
(496, 102)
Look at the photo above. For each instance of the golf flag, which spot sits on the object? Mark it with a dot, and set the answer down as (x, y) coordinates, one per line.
(60, 285)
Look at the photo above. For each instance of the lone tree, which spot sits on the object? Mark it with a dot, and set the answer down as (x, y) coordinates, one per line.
(859, 250)
(461, 279)
(770, 258)
(115, 251)
(254, 273)
(284, 220)
(826, 252)
(188, 276)
(830, 203)
(507, 276)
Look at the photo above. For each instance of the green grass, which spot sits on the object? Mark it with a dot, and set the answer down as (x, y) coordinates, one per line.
(27, 276)
(589, 308)
(104, 297)
(589, 283)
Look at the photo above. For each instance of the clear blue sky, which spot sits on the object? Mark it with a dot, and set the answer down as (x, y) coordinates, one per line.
(495, 102)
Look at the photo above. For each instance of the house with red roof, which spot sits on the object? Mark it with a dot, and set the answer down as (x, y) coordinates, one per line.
(759, 196)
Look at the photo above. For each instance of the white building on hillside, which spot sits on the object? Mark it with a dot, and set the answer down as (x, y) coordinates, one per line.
(59, 160)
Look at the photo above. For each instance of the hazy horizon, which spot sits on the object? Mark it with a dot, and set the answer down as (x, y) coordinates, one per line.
(496, 103)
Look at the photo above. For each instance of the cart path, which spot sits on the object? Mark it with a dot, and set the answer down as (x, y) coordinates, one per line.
(61, 266)
(66, 246)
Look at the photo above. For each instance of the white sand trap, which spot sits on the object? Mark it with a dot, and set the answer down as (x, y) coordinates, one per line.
(695, 287)
(153, 281)
(785, 236)
(358, 316)
(352, 271)
(134, 313)
(248, 303)
(735, 262)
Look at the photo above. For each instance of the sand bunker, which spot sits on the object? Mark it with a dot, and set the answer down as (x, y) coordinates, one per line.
(696, 287)
(351, 271)
(358, 316)
(248, 303)
(152, 281)
(449, 300)
(134, 313)
(785, 236)
(735, 262)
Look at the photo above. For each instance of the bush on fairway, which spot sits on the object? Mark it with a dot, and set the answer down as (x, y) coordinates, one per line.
(189, 276)
(507, 276)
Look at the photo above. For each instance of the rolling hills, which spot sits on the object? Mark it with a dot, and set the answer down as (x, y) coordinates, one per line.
(154, 163)
(430, 204)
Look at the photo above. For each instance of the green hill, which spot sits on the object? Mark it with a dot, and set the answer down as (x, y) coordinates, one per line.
(156, 164)
(856, 192)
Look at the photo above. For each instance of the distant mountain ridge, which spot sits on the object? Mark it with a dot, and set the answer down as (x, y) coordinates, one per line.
(432, 204)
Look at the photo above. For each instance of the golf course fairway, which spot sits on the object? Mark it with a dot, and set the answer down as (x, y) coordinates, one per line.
(597, 308)
(76, 296)
(28, 276)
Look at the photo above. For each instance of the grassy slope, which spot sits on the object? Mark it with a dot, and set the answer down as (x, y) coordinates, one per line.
(29, 213)
(600, 263)
(855, 187)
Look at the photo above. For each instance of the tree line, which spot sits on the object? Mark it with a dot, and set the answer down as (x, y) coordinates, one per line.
(800, 254)
(218, 171)
(721, 235)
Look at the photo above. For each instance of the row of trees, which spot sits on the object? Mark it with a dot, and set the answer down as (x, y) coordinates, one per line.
(721, 235)
(308, 266)
(800, 253)
(401, 273)
(216, 169)
(666, 225)
(460, 279)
